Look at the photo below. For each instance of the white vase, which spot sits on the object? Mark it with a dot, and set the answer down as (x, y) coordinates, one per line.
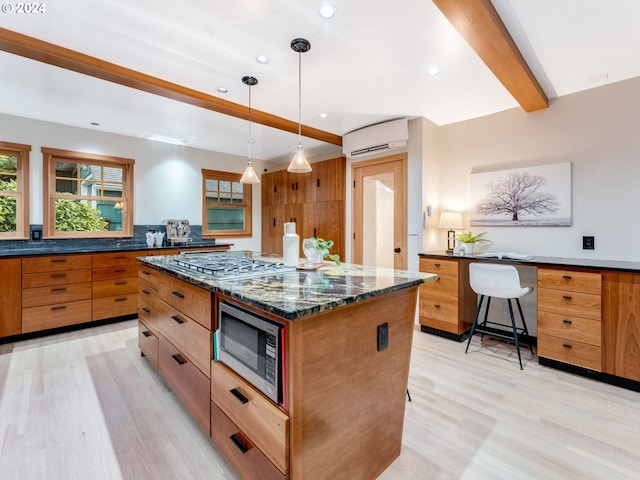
(468, 248)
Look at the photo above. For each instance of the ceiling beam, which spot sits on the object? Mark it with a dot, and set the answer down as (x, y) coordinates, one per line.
(35, 49)
(481, 26)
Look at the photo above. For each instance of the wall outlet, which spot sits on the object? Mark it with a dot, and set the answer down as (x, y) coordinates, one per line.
(383, 336)
(588, 243)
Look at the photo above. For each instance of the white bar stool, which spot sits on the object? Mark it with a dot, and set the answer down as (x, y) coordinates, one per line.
(500, 281)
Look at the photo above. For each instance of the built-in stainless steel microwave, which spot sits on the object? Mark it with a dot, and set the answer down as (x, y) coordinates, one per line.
(252, 346)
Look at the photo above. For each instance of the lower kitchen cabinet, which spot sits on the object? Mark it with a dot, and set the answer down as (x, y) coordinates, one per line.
(114, 284)
(11, 304)
(148, 344)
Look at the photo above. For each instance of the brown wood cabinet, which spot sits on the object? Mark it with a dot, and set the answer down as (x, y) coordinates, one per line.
(114, 284)
(569, 317)
(315, 201)
(11, 304)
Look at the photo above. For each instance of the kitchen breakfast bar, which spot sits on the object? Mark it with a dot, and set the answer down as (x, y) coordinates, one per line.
(293, 373)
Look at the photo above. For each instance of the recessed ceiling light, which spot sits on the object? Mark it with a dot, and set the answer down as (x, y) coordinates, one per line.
(433, 71)
(263, 59)
(327, 10)
(323, 115)
(223, 90)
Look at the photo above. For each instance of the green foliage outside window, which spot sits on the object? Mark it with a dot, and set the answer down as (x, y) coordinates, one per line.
(8, 207)
(73, 216)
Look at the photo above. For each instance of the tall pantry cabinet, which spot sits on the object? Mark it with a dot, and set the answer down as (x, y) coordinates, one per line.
(314, 200)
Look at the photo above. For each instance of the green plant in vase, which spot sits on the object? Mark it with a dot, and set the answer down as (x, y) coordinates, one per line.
(469, 239)
(323, 246)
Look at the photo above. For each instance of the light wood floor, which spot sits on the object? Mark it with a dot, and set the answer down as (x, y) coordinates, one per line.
(85, 405)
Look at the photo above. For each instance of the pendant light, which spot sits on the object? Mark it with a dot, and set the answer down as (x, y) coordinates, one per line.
(299, 162)
(249, 175)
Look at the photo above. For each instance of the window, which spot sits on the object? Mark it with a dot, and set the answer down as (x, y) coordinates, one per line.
(87, 195)
(226, 205)
(14, 191)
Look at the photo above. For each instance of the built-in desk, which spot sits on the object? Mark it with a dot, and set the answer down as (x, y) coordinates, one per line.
(588, 311)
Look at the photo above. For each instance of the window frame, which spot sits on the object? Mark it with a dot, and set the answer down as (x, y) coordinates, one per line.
(247, 205)
(22, 190)
(49, 158)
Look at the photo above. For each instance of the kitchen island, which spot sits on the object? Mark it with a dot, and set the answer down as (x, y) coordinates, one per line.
(342, 408)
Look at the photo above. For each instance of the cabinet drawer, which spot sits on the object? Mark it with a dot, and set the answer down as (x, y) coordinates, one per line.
(189, 384)
(444, 289)
(119, 286)
(189, 299)
(573, 281)
(572, 328)
(441, 311)
(245, 457)
(148, 275)
(444, 267)
(265, 424)
(55, 263)
(112, 259)
(149, 314)
(33, 297)
(148, 344)
(117, 271)
(570, 303)
(118, 306)
(186, 334)
(35, 319)
(31, 280)
(570, 351)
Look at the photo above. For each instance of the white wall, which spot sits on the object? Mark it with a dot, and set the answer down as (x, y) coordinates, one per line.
(597, 130)
(167, 178)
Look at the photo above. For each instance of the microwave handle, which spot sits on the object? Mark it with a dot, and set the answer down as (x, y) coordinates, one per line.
(236, 393)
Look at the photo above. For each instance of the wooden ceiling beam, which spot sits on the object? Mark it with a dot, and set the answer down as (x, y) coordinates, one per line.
(481, 26)
(35, 49)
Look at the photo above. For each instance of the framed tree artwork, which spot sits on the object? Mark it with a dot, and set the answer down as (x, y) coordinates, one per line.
(539, 195)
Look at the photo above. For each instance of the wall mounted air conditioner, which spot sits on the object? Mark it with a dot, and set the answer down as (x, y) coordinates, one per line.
(376, 139)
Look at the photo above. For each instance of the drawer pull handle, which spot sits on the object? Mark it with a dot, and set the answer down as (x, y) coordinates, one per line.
(177, 319)
(146, 272)
(236, 393)
(567, 321)
(239, 443)
(120, 270)
(567, 345)
(437, 305)
(59, 289)
(146, 292)
(120, 299)
(568, 277)
(58, 308)
(178, 358)
(58, 260)
(119, 256)
(147, 333)
(436, 264)
(146, 309)
(124, 282)
(58, 275)
(566, 297)
(178, 294)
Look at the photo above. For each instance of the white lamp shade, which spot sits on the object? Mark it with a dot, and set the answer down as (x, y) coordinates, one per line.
(249, 176)
(451, 220)
(299, 162)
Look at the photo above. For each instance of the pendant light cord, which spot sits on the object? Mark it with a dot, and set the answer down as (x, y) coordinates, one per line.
(250, 141)
(299, 99)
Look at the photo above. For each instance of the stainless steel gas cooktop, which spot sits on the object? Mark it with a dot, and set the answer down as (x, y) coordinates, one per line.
(229, 265)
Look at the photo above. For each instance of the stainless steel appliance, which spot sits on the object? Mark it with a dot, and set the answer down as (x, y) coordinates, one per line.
(178, 231)
(253, 346)
(226, 265)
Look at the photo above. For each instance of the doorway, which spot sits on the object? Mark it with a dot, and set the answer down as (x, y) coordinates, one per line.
(379, 212)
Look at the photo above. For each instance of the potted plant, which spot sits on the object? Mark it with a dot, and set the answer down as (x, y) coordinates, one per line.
(316, 249)
(469, 239)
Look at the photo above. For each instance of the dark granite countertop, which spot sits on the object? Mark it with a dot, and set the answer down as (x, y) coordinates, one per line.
(586, 263)
(50, 247)
(298, 293)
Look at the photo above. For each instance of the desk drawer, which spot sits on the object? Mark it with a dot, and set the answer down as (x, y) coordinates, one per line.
(189, 384)
(570, 303)
(570, 351)
(570, 280)
(33, 297)
(444, 267)
(583, 330)
(188, 335)
(264, 423)
(251, 463)
(444, 289)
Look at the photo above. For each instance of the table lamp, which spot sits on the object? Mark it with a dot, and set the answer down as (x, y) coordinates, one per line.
(452, 221)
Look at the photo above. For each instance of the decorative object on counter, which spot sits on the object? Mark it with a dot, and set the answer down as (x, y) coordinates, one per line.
(178, 231)
(468, 241)
(249, 175)
(290, 245)
(299, 162)
(452, 221)
(151, 238)
(316, 249)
